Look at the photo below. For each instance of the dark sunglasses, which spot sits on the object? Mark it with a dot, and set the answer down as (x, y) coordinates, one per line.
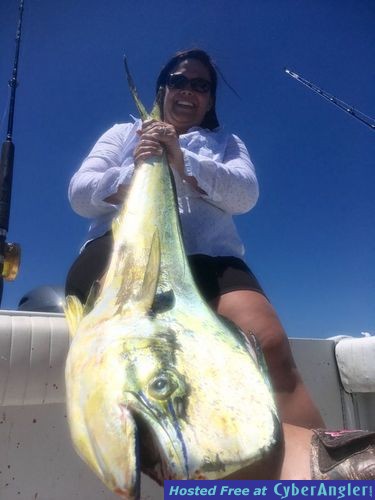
(178, 81)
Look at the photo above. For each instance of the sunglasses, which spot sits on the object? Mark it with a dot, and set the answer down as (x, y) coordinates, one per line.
(179, 81)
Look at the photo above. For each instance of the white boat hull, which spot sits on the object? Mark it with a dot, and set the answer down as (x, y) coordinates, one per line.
(37, 460)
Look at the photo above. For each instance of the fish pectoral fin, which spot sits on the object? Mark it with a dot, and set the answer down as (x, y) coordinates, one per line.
(138, 287)
(152, 271)
(73, 313)
(91, 299)
(115, 227)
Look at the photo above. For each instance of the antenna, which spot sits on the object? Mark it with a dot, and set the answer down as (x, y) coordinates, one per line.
(9, 252)
(366, 120)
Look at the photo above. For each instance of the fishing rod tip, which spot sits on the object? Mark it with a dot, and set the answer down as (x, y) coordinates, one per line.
(291, 73)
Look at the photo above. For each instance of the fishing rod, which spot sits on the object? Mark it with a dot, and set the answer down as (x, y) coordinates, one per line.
(366, 120)
(9, 252)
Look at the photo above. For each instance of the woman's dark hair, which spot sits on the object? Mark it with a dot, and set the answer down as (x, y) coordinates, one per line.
(210, 120)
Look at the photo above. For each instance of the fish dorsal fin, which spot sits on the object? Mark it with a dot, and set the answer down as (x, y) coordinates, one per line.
(73, 313)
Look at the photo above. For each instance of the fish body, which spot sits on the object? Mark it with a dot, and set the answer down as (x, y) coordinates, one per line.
(155, 380)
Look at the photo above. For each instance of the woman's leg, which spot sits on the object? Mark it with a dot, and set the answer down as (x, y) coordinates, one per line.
(318, 454)
(328, 454)
(297, 452)
(252, 312)
(289, 461)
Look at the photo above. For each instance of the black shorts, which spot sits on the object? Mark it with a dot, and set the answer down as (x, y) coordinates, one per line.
(214, 276)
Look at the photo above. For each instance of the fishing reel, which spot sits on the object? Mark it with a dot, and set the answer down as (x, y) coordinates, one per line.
(12, 260)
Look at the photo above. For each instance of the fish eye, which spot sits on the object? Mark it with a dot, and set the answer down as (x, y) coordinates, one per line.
(161, 387)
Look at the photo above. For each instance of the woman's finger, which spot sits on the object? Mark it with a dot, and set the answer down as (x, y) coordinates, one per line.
(147, 149)
(149, 146)
(149, 140)
(150, 150)
(141, 157)
(162, 131)
(149, 123)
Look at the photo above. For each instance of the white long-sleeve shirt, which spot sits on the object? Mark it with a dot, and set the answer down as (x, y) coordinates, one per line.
(219, 162)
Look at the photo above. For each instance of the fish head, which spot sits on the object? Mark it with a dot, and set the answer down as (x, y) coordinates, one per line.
(171, 391)
(126, 401)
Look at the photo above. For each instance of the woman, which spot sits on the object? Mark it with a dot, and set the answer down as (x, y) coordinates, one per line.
(215, 179)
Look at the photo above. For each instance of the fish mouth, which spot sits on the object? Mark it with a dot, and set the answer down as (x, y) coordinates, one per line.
(119, 450)
(152, 457)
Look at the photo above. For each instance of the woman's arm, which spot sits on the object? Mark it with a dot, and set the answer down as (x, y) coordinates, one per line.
(231, 184)
(100, 182)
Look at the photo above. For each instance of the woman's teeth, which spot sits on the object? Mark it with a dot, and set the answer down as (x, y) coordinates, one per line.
(185, 103)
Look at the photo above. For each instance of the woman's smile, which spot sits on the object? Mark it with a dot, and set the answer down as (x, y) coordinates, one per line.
(185, 108)
(184, 104)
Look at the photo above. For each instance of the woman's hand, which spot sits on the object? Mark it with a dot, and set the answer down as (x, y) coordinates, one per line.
(148, 146)
(157, 137)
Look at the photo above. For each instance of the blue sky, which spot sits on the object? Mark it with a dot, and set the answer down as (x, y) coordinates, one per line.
(311, 237)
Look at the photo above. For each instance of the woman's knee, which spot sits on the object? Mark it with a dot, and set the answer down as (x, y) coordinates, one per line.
(272, 338)
(279, 359)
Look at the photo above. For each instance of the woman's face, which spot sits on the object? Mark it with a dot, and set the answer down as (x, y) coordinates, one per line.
(185, 108)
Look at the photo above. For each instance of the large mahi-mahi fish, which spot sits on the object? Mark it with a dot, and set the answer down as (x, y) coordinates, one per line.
(155, 380)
